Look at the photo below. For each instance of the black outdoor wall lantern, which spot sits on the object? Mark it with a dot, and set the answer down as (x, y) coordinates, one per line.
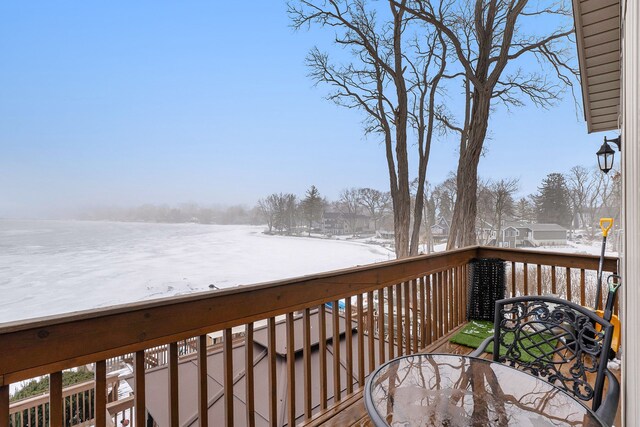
(606, 154)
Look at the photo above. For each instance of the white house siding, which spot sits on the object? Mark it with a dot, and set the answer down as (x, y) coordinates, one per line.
(631, 210)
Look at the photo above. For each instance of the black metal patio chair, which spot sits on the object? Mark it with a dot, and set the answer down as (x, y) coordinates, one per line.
(558, 341)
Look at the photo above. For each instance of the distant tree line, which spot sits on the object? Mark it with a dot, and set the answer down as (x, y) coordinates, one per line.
(575, 200)
(183, 213)
(285, 213)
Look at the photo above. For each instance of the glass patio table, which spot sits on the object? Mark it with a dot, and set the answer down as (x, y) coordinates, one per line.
(452, 390)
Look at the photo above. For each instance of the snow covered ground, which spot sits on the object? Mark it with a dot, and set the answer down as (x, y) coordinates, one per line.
(52, 267)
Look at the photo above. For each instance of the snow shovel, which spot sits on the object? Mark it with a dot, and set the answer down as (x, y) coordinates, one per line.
(614, 282)
(605, 226)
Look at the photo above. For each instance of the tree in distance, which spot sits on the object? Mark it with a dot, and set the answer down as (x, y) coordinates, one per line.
(312, 207)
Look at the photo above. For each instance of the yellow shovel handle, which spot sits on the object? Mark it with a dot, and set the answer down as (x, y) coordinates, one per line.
(605, 225)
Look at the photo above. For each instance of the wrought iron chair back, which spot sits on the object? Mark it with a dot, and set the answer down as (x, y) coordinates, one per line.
(556, 340)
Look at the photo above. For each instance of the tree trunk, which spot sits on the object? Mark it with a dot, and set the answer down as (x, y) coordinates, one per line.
(463, 224)
(401, 220)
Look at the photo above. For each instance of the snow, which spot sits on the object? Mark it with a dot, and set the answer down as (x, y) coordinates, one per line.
(53, 267)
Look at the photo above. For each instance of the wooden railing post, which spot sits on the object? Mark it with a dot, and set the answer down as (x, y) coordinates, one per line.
(55, 400)
(349, 348)
(100, 394)
(4, 405)
(272, 384)
(227, 356)
(306, 360)
(203, 395)
(139, 389)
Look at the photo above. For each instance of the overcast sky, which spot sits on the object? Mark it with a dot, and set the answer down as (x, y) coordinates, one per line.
(127, 103)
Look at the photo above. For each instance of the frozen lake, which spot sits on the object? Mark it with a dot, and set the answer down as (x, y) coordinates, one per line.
(52, 267)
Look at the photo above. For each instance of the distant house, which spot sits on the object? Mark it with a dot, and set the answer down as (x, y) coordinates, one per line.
(485, 233)
(533, 235)
(440, 230)
(338, 223)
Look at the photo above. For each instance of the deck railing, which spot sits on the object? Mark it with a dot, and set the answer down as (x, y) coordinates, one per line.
(395, 308)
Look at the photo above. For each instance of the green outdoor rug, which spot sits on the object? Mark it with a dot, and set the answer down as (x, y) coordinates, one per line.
(477, 331)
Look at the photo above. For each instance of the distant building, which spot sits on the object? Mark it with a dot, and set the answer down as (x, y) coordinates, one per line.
(485, 233)
(440, 230)
(338, 223)
(533, 235)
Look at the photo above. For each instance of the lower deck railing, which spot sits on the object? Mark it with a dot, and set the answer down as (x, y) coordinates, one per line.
(287, 349)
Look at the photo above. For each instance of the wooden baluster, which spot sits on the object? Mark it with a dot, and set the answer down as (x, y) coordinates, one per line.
(455, 300)
(371, 328)
(227, 356)
(139, 389)
(349, 347)
(4, 405)
(414, 317)
(513, 279)
(445, 301)
(391, 321)
(174, 418)
(441, 302)
(203, 394)
(553, 280)
(568, 284)
(360, 316)
(451, 298)
(271, 361)
(335, 343)
(539, 278)
(407, 317)
(465, 287)
(428, 309)
(525, 272)
(423, 312)
(399, 308)
(291, 368)
(306, 360)
(436, 306)
(322, 330)
(55, 399)
(582, 288)
(100, 394)
(381, 328)
(462, 309)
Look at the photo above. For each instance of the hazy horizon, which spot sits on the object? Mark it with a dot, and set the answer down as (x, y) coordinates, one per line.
(127, 104)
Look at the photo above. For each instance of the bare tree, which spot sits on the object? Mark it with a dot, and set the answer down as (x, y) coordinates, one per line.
(349, 206)
(486, 212)
(445, 197)
(375, 202)
(268, 208)
(488, 38)
(284, 212)
(503, 192)
(581, 183)
(376, 82)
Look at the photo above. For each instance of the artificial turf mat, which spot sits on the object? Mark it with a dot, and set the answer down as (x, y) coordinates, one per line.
(477, 331)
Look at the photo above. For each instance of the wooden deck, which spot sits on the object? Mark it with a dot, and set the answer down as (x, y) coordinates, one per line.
(351, 411)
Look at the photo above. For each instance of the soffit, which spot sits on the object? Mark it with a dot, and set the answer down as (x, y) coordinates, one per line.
(598, 37)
